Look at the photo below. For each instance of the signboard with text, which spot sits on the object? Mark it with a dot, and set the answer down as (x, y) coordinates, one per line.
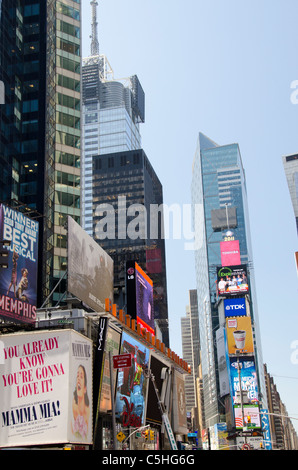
(18, 283)
(46, 388)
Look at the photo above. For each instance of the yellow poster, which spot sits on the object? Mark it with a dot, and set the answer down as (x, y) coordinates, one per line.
(239, 335)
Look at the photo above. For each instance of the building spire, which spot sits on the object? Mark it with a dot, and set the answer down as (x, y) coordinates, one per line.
(94, 36)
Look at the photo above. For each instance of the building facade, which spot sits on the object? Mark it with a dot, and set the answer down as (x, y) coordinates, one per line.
(40, 50)
(219, 206)
(125, 189)
(290, 163)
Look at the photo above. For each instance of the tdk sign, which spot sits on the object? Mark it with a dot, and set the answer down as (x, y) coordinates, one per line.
(234, 307)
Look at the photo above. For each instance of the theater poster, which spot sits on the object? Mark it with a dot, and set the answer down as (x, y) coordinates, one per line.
(18, 283)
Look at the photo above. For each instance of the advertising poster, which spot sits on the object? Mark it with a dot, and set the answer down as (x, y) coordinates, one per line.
(179, 405)
(45, 388)
(139, 291)
(112, 345)
(235, 307)
(230, 253)
(219, 437)
(251, 416)
(239, 336)
(144, 299)
(90, 269)
(132, 385)
(18, 283)
(222, 362)
(249, 383)
(232, 280)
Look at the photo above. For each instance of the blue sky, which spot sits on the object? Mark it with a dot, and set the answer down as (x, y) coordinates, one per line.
(223, 68)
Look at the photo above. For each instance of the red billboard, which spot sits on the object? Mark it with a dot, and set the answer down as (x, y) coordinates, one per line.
(230, 253)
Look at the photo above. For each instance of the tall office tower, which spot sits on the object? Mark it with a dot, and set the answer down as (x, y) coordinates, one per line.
(290, 163)
(128, 225)
(223, 248)
(190, 349)
(40, 122)
(112, 112)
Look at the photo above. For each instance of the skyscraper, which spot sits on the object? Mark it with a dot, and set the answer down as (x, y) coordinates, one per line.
(190, 347)
(40, 49)
(112, 112)
(220, 213)
(125, 188)
(290, 163)
(115, 168)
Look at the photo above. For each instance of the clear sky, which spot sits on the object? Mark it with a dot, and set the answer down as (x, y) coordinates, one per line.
(224, 68)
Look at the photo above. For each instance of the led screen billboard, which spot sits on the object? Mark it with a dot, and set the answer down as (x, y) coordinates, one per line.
(90, 269)
(239, 336)
(18, 283)
(46, 388)
(248, 375)
(251, 416)
(139, 289)
(132, 384)
(232, 280)
(235, 307)
(230, 253)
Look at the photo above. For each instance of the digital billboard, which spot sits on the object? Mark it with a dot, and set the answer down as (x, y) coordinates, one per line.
(248, 375)
(251, 414)
(90, 269)
(18, 283)
(230, 253)
(139, 291)
(235, 307)
(239, 336)
(46, 388)
(132, 384)
(232, 280)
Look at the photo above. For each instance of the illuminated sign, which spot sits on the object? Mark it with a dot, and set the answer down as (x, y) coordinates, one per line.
(139, 289)
(232, 280)
(230, 253)
(18, 283)
(234, 307)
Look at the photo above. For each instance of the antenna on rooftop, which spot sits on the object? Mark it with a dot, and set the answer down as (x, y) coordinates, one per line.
(94, 36)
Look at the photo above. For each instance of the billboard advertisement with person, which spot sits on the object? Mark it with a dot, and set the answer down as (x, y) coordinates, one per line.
(18, 283)
(232, 280)
(90, 268)
(132, 384)
(46, 388)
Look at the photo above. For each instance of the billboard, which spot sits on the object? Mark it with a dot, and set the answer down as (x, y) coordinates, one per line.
(230, 253)
(239, 336)
(90, 269)
(18, 283)
(248, 375)
(232, 280)
(139, 291)
(251, 415)
(132, 384)
(235, 307)
(46, 388)
(219, 437)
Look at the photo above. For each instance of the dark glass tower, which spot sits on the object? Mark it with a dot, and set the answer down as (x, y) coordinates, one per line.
(125, 188)
(40, 122)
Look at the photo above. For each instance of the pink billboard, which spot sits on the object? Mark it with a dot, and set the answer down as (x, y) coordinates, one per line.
(230, 253)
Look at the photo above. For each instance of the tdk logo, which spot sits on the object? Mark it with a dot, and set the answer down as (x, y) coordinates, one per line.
(234, 307)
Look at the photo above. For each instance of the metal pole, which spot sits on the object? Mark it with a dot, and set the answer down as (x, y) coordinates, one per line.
(113, 402)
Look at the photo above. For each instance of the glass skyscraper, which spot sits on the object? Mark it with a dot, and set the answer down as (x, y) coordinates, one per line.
(290, 163)
(40, 54)
(218, 184)
(112, 112)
